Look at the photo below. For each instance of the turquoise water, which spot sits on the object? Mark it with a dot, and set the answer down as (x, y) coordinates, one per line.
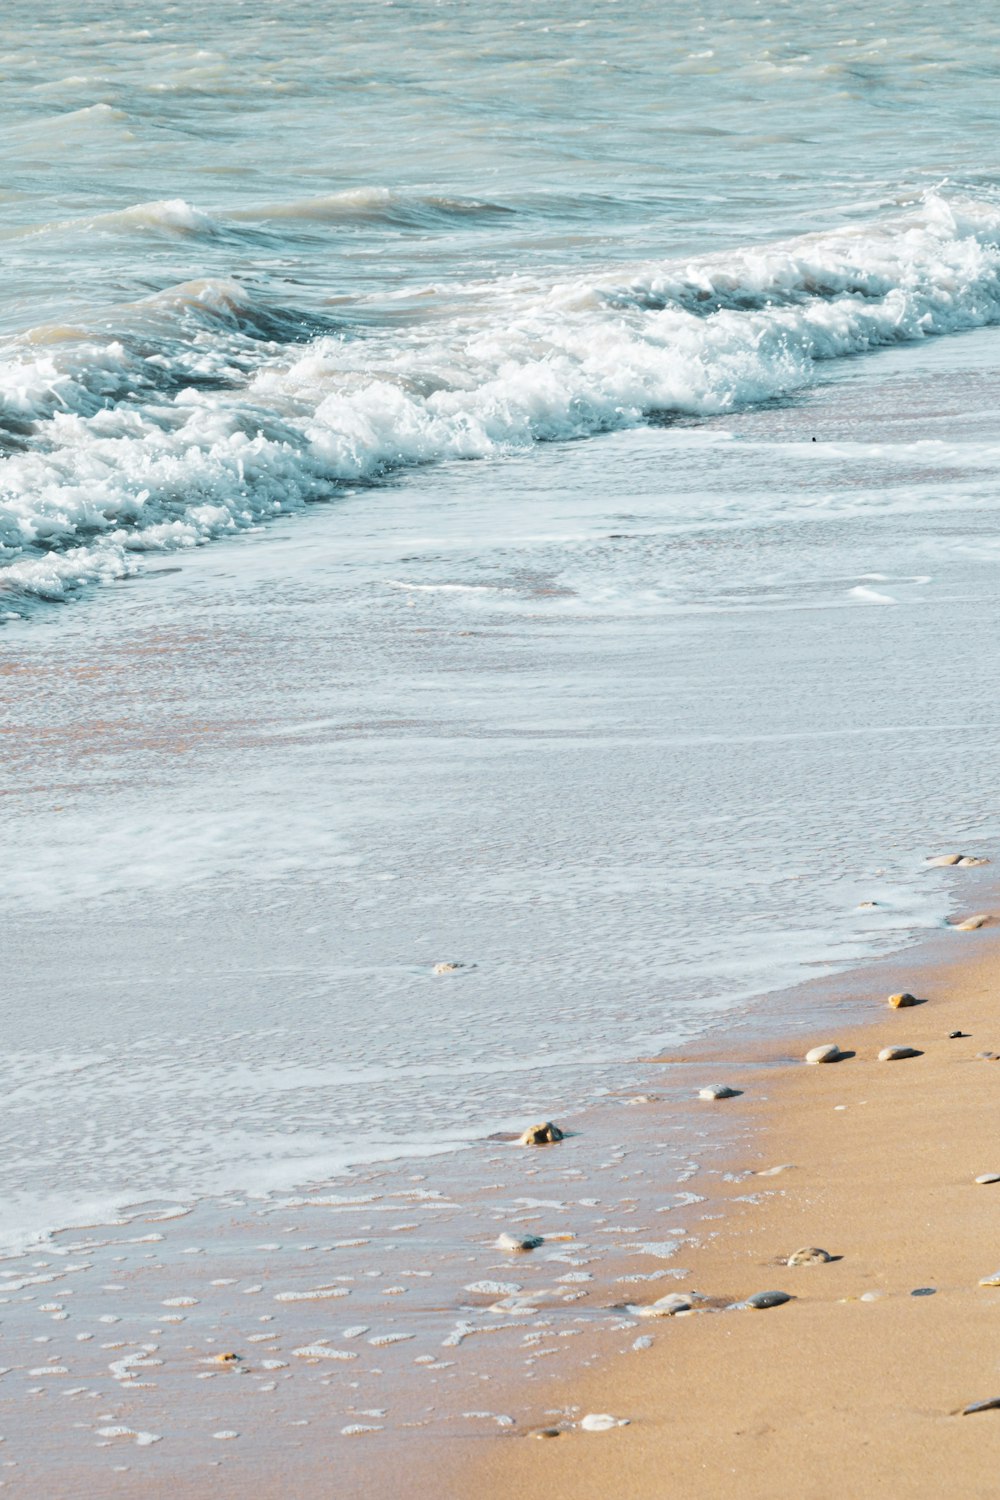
(251, 257)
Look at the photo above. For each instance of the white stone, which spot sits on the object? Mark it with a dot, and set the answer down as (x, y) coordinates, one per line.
(718, 1091)
(827, 1053)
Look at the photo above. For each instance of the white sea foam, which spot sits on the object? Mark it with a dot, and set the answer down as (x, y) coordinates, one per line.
(196, 418)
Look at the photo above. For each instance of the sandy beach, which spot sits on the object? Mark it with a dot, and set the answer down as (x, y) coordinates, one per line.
(858, 1385)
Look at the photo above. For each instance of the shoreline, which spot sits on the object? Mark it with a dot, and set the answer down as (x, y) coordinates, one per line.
(884, 1157)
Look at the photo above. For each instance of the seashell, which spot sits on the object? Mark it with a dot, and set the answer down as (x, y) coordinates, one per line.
(787, 1166)
(988, 1177)
(829, 1052)
(896, 1054)
(810, 1255)
(518, 1242)
(991, 1280)
(903, 1000)
(718, 1091)
(991, 1404)
(761, 1300)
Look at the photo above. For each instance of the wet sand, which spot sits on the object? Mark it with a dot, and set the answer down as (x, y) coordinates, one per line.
(856, 1386)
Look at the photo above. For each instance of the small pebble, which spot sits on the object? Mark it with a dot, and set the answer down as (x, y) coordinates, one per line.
(547, 1432)
(810, 1255)
(903, 1000)
(988, 1177)
(992, 1280)
(761, 1300)
(601, 1422)
(718, 1091)
(666, 1307)
(518, 1242)
(954, 1035)
(972, 923)
(869, 1296)
(896, 1054)
(989, 1405)
(827, 1053)
(787, 1166)
(540, 1135)
(924, 1291)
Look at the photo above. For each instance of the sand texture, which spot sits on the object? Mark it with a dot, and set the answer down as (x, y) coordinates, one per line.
(829, 1395)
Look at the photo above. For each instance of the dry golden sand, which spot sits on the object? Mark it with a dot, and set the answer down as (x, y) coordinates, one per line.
(827, 1397)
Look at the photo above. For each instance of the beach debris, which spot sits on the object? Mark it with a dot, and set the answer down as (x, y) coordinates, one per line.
(897, 1054)
(972, 923)
(827, 1053)
(992, 1280)
(718, 1091)
(965, 860)
(666, 1307)
(518, 1243)
(761, 1300)
(601, 1422)
(992, 1403)
(809, 1255)
(923, 1291)
(988, 1177)
(540, 1135)
(903, 1000)
(785, 1166)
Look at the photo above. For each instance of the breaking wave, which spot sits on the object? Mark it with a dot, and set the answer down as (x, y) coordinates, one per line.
(207, 409)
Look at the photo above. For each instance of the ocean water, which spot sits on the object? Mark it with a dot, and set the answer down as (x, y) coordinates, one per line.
(501, 484)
